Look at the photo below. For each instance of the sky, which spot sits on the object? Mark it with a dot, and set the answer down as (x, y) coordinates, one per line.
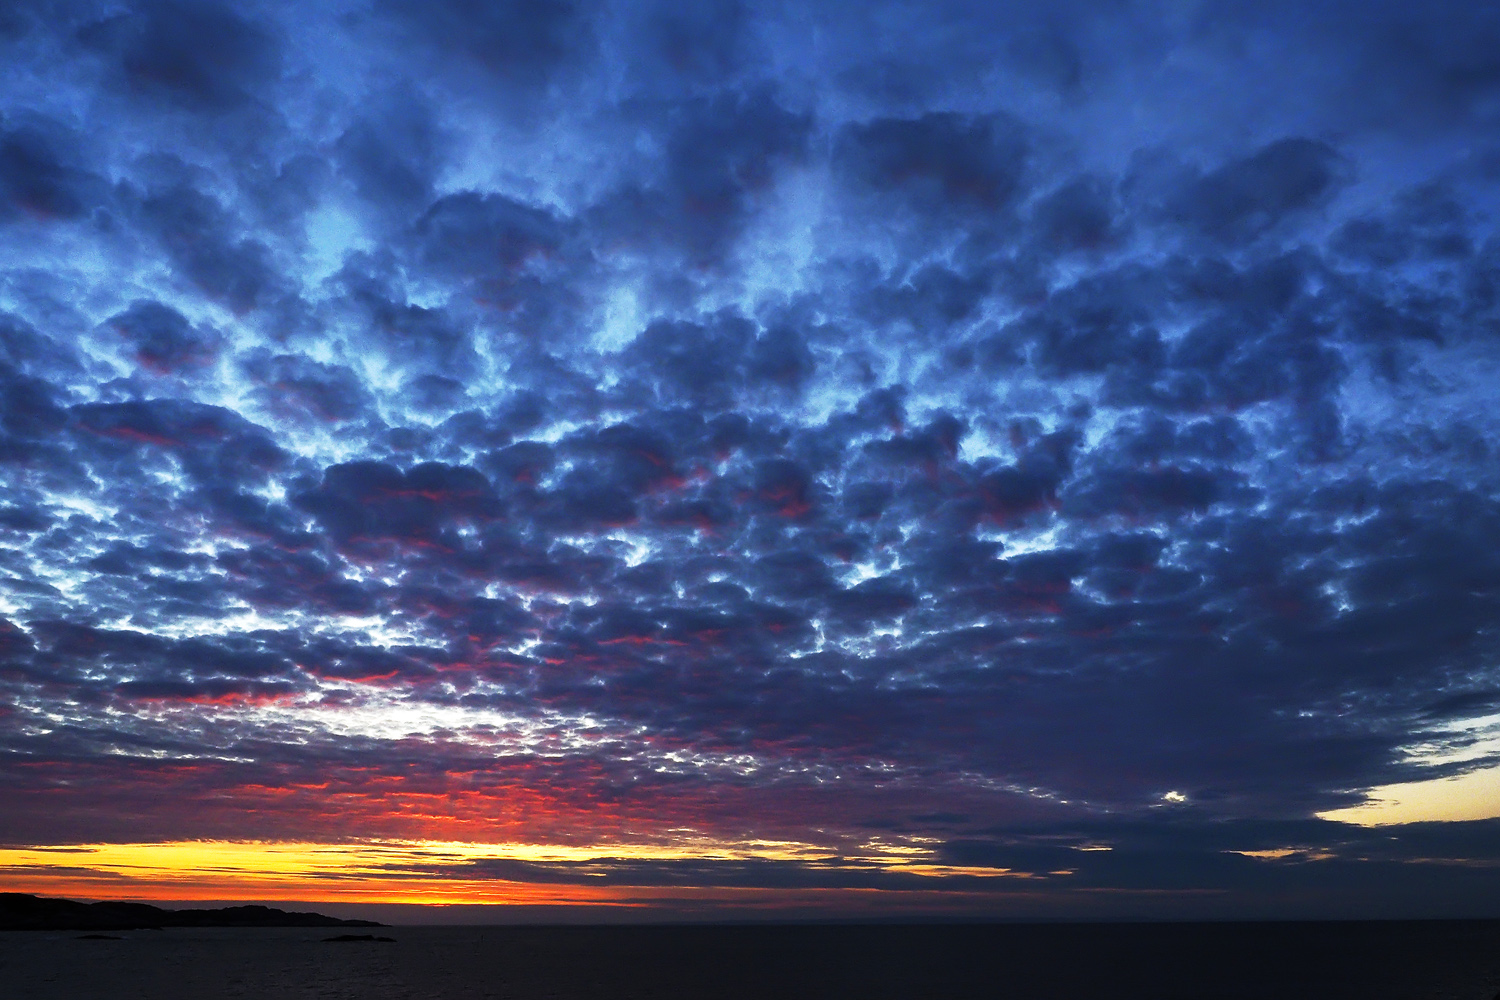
(647, 460)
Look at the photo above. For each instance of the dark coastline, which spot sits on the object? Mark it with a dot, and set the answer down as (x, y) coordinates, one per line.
(1367, 960)
(23, 912)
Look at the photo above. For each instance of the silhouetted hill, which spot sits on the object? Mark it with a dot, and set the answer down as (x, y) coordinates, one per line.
(22, 912)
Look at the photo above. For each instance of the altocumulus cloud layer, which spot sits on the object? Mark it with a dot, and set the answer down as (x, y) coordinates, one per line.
(960, 434)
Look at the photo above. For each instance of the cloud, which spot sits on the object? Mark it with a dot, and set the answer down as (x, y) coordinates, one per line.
(938, 160)
(1244, 198)
(562, 420)
(521, 42)
(204, 57)
(161, 337)
(39, 177)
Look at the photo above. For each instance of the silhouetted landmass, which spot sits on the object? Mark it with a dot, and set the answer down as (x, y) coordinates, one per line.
(342, 938)
(23, 912)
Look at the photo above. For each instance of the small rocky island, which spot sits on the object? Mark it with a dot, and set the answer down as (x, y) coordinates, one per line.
(23, 912)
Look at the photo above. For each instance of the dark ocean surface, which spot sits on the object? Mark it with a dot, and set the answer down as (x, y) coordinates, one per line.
(1453, 960)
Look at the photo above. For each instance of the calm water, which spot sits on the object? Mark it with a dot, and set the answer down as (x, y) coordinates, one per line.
(1369, 961)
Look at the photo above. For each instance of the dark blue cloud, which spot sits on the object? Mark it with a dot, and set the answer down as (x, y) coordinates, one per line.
(716, 160)
(522, 42)
(162, 338)
(937, 161)
(36, 177)
(204, 57)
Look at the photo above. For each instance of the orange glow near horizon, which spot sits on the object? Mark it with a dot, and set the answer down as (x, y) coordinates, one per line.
(1461, 797)
(421, 872)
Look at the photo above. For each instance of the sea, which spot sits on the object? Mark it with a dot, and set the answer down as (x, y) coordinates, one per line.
(1374, 960)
